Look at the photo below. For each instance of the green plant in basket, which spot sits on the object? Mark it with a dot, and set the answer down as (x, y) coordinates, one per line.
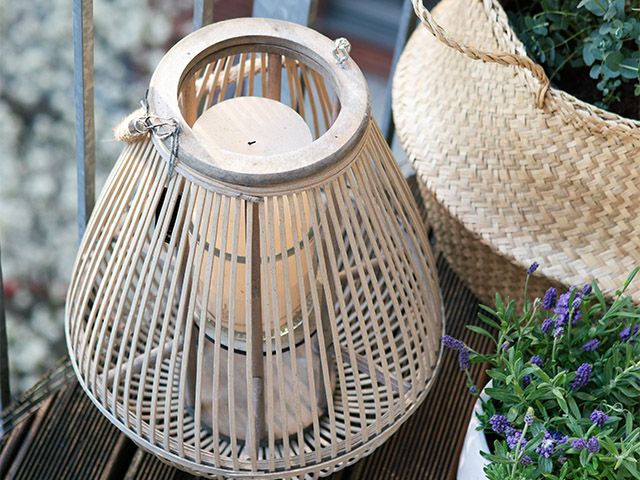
(564, 402)
(590, 47)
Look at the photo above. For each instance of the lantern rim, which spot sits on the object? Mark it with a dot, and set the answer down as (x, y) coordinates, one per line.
(217, 164)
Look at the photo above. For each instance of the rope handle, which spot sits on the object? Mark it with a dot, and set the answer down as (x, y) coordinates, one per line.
(139, 123)
(501, 58)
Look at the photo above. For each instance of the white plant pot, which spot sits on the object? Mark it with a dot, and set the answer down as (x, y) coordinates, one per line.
(471, 464)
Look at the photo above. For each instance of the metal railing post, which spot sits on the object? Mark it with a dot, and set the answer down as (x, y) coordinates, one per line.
(405, 28)
(202, 13)
(296, 11)
(83, 92)
(5, 387)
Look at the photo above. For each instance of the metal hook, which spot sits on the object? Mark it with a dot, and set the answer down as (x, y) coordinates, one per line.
(341, 50)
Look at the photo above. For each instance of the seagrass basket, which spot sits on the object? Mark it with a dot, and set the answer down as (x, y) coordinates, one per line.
(255, 296)
(513, 170)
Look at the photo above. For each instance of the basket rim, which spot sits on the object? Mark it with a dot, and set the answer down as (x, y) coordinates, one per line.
(505, 34)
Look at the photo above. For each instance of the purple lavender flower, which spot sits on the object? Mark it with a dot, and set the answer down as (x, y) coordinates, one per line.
(537, 360)
(463, 359)
(473, 390)
(582, 376)
(577, 302)
(526, 461)
(547, 323)
(593, 445)
(453, 343)
(599, 418)
(576, 317)
(625, 334)
(562, 305)
(591, 345)
(533, 267)
(547, 446)
(586, 290)
(559, 438)
(549, 299)
(558, 332)
(529, 417)
(579, 444)
(505, 345)
(458, 345)
(515, 439)
(499, 423)
(526, 381)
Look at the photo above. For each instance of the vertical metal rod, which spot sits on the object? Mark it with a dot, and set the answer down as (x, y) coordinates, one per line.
(296, 11)
(5, 387)
(405, 28)
(83, 92)
(202, 13)
(257, 356)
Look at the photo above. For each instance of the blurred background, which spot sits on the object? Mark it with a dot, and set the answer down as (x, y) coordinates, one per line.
(38, 232)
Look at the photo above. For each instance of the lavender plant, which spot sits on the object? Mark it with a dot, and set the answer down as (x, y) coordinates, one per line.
(564, 402)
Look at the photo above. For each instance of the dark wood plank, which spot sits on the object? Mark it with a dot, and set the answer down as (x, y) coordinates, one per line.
(72, 441)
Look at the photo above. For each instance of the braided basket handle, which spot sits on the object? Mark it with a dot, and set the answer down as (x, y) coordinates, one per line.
(473, 53)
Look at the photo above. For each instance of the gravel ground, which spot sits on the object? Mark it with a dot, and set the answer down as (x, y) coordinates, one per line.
(38, 233)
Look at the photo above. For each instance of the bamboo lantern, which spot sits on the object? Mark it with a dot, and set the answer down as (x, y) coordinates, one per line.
(255, 296)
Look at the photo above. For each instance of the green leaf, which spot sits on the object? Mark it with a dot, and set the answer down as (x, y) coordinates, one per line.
(594, 6)
(495, 458)
(573, 406)
(561, 401)
(489, 321)
(599, 295)
(482, 331)
(631, 468)
(502, 395)
(587, 54)
(489, 310)
(630, 278)
(545, 465)
(542, 374)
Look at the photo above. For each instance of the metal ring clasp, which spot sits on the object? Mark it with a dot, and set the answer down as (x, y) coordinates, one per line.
(341, 50)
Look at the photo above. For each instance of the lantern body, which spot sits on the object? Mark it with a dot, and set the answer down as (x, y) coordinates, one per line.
(249, 313)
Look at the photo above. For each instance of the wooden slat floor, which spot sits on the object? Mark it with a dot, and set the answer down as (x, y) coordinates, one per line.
(66, 437)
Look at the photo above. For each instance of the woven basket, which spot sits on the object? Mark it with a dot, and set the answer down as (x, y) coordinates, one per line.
(511, 169)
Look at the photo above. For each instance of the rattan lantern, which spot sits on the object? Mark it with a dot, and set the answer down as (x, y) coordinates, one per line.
(255, 296)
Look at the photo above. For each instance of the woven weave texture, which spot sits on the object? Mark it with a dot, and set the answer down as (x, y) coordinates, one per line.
(507, 182)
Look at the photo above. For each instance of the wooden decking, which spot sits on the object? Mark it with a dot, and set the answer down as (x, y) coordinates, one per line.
(65, 437)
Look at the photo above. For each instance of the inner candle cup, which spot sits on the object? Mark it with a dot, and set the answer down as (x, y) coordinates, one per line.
(255, 126)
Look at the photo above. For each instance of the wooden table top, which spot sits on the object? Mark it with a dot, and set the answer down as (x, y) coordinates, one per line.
(65, 437)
